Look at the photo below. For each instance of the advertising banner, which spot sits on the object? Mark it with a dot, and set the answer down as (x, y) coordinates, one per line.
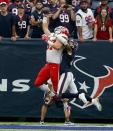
(21, 61)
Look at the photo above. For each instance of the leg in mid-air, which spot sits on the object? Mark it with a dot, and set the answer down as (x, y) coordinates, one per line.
(66, 82)
(94, 101)
(85, 98)
(42, 78)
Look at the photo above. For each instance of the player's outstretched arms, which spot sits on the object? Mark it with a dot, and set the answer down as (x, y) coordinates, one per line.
(45, 25)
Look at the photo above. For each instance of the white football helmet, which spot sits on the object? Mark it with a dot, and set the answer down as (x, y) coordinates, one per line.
(61, 30)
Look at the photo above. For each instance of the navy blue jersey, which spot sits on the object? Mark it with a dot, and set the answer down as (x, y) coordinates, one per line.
(37, 30)
(37, 16)
(21, 25)
(6, 23)
(13, 8)
(64, 19)
(65, 65)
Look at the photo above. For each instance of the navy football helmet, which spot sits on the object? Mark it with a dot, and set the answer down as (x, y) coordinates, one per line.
(73, 44)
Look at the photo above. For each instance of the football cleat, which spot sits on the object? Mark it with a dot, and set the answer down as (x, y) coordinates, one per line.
(69, 123)
(42, 123)
(97, 104)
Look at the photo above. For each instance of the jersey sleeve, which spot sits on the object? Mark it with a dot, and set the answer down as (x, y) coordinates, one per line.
(78, 20)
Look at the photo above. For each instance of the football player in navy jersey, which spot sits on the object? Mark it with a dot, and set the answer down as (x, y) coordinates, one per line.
(22, 23)
(66, 82)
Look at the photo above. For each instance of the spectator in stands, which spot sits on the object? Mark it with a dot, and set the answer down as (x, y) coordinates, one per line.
(65, 16)
(75, 3)
(7, 24)
(28, 6)
(36, 21)
(104, 4)
(103, 26)
(33, 5)
(44, 2)
(22, 23)
(13, 7)
(53, 6)
(84, 21)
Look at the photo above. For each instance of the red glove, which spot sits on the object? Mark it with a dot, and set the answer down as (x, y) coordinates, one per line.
(44, 37)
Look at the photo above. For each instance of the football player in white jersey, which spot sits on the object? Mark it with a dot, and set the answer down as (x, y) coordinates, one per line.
(84, 21)
(56, 41)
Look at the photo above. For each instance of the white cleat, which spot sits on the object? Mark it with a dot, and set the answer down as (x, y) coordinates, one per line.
(42, 123)
(69, 123)
(97, 104)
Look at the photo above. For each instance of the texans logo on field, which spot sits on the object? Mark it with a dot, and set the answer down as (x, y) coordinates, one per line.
(93, 85)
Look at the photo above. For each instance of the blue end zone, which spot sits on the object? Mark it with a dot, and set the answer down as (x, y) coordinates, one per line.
(56, 127)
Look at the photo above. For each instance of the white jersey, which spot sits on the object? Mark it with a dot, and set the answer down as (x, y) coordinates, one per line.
(53, 55)
(83, 19)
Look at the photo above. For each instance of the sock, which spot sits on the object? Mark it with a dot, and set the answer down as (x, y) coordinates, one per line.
(83, 98)
(65, 105)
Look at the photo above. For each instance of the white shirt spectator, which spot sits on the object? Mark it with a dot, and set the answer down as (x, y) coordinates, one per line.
(83, 19)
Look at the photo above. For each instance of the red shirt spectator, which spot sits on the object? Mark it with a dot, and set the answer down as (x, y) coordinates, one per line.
(103, 26)
(103, 29)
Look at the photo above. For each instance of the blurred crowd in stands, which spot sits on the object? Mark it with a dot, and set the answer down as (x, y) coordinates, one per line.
(85, 19)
